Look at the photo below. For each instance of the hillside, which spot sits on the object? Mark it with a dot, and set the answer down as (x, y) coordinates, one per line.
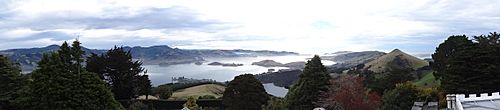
(200, 90)
(351, 59)
(162, 54)
(395, 58)
(280, 78)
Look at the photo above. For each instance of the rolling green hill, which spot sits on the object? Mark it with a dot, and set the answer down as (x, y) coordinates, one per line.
(427, 81)
(396, 58)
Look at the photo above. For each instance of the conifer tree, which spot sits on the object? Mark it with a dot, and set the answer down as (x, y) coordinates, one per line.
(144, 86)
(11, 82)
(312, 82)
(120, 72)
(468, 67)
(59, 83)
(445, 50)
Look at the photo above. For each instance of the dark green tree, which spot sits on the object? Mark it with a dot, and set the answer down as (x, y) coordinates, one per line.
(245, 92)
(312, 82)
(11, 82)
(473, 67)
(163, 91)
(144, 85)
(59, 82)
(445, 50)
(275, 103)
(121, 72)
(400, 98)
(95, 64)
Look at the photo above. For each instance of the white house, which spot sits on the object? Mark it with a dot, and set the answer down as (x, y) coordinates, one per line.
(473, 102)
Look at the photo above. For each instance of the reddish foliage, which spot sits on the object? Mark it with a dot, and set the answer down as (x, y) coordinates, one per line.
(349, 93)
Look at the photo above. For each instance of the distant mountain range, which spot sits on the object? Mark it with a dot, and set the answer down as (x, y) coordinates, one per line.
(163, 55)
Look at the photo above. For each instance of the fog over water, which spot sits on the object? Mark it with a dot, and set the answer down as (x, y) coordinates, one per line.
(164, 74)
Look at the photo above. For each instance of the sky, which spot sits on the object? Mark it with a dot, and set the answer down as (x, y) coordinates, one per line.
(305, 26)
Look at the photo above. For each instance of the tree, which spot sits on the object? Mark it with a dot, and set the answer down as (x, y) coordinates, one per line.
(121, 73)
(245, 92)
(207, 97)
(11, 82)
(380, 82)
(348, 93)
(312, 82)
(59, 82)
(275, 103)
(163, 91)
(445, 50)
(470, 67)
(401, 97)
(191, 104)
(144, 85)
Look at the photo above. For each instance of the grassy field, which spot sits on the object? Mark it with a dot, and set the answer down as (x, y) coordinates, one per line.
(427, 81)
(200, 90)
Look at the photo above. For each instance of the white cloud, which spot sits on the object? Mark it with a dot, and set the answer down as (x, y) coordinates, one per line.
(309, 26)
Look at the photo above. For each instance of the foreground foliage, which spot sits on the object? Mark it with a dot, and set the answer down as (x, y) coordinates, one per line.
(312, 82)
(405, 94)
(191, 104)
(245, 92)
(121, 73)
(60, 82)
(275, 103)
(11, 83)
(466, 66)
(348, 93)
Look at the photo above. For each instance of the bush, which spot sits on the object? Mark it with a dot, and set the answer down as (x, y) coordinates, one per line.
(207, 97)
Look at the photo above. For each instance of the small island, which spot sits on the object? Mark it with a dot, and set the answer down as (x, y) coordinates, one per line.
(268, 63)
(225, 64)
(272, 63)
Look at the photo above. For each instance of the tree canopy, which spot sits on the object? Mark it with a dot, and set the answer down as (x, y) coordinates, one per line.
(59, 82)
(400, 98)
(466, 66)
(312, 82)
(11, 82)
(121, 72)
(163, 91)
(348, 92)
(245, 92)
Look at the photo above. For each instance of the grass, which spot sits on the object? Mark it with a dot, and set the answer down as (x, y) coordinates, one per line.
(427, 81)
(200, 90)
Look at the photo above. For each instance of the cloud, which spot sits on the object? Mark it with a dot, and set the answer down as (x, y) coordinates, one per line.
(152, 18)
(307, 26)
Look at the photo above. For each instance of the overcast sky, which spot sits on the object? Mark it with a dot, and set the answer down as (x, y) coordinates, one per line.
(306, 26)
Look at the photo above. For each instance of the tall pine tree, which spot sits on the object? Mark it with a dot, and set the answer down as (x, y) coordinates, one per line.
(11, 82)
(312, 82)
(122, 74)
(59, 83)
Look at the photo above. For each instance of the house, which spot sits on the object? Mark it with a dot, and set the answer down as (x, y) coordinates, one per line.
(425, 106)
(483, 101)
